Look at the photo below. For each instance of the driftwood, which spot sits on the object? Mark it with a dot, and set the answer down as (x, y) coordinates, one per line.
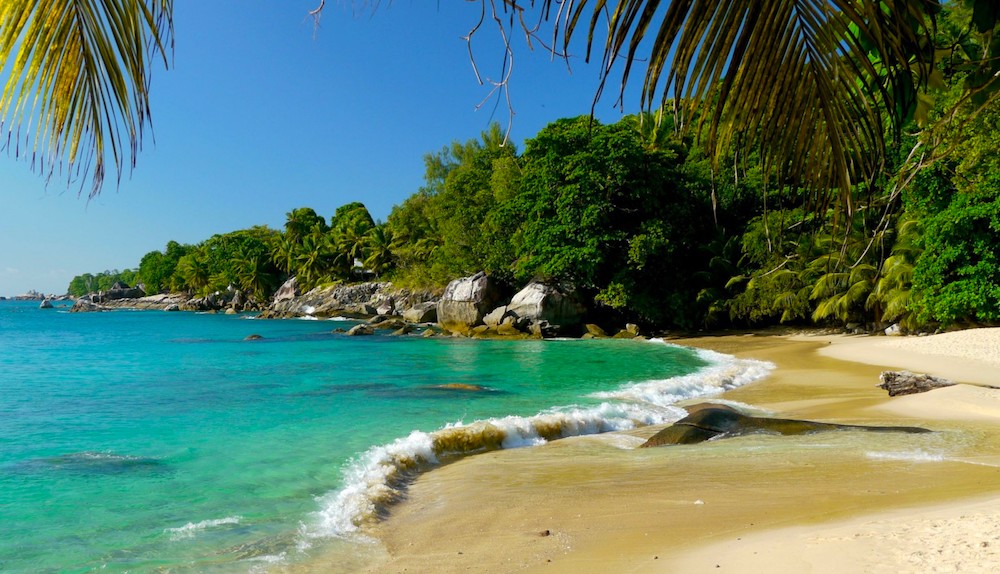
(907, 383)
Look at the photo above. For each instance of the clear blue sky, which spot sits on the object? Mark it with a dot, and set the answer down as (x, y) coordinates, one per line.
(258, 115)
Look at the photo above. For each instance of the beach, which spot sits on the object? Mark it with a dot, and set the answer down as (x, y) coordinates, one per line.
(830, 502)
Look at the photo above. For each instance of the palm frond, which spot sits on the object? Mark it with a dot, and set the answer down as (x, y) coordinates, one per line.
(77, 88)
(816, 84)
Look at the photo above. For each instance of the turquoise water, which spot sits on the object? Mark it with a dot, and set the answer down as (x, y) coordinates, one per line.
(152, 441)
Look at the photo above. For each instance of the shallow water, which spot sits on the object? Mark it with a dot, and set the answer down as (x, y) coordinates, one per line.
(151, 441)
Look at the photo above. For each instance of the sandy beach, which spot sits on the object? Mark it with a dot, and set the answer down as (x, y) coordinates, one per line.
(830, 502)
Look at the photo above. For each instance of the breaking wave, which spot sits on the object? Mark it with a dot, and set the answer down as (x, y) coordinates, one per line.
(376, 479)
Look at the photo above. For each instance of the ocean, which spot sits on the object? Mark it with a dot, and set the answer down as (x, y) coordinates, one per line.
(145, 441)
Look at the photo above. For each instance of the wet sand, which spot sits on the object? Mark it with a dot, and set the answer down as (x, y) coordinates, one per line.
(597, 504)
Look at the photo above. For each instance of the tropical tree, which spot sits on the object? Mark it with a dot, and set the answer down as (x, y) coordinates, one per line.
(378, 247)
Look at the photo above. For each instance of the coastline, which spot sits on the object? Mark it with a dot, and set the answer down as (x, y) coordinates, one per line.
(596, 504)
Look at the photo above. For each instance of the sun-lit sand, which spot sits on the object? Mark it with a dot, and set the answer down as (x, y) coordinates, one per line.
(833, 502)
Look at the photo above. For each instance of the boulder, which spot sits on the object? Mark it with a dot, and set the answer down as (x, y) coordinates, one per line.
(595, 331)
(495, 317)
(425, 312)
(361, 329)
(559, 307)
(907, 383)
(172, 307)
(466, 301)
(86, 305)
(710, 421)
(289, 290)
(894, 330)
(253, 337)
(46, 304)
(389, 324)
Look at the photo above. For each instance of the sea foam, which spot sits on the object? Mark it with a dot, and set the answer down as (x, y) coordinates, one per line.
(376, 479)
(190, 529)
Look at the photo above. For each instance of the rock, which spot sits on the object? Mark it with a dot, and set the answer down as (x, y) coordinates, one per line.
(496, 316)
(907, 383)
(559, 307)
(46, 304)
(231, 311)
(508, 329)
(425, 312)
(480, 330)
(716, 421)
(543, 329)
(392, 324)
(894, 330)
(429, 333)
(404, 330)
(460, 387)
(632, 328)
(253, 338)
(624, 334)
(289, 290)
(172, 307)
(361, 329)
(466, 301)
(594, 330)
(86, 305)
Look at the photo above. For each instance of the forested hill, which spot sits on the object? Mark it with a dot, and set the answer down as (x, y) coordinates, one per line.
(648, 230)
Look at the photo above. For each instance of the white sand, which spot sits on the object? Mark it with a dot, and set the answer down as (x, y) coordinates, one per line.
(970, 356)
(963, 536)
(948, 538)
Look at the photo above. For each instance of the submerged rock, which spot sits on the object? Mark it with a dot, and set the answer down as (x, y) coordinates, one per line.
(716, 421)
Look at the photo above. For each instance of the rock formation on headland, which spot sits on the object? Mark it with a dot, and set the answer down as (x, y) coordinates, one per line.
(471, 306)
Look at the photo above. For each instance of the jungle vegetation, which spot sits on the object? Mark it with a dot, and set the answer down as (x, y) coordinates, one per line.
(807, 160)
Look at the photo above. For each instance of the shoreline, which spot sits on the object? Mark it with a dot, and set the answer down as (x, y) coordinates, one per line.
(596, 504)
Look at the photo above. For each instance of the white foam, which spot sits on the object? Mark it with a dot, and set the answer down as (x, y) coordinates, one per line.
(724, 373)
(378, 477)
(911, 455)
(190, 529)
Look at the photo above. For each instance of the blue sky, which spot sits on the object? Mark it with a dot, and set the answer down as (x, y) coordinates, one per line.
(258, 115)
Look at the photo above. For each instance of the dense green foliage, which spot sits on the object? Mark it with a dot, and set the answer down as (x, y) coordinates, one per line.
(636, 218)
(93, 283)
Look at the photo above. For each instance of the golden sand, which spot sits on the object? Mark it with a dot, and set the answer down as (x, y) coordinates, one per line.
(832, 502)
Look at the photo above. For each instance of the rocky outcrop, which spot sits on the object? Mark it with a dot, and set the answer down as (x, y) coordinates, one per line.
(907, 383)
(46, 304)
(163, 302)
(358, 300)
(710, 421)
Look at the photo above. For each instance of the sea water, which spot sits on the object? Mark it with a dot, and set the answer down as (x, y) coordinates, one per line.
(151, 441)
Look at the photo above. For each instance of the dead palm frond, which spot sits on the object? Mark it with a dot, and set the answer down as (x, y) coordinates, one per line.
(77, 86)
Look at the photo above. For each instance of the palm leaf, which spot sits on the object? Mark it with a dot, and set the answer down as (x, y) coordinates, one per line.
(794, 77)
(78, 70)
